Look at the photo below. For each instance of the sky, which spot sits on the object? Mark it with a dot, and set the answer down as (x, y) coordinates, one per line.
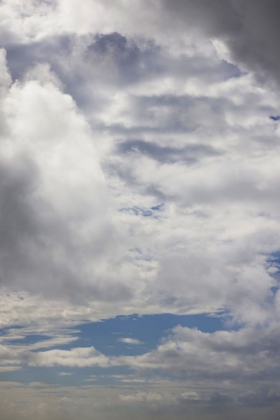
(139, 209)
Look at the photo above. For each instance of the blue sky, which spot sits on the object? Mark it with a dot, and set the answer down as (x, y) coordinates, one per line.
(139, 209)
(106, 336)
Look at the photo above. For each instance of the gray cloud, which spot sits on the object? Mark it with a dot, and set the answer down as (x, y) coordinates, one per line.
(189, 154)
(239, 356)
(186, 105)
(120, 107)
(249, 29)
(22, 57)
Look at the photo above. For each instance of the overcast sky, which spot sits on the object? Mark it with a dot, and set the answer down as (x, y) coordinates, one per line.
(139, 209)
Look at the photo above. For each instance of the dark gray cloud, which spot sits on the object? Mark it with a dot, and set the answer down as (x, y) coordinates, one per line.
(250, 29)
(262, 397)
(220, 399)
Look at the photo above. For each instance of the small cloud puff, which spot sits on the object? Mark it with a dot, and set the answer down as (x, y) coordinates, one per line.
(133, 341)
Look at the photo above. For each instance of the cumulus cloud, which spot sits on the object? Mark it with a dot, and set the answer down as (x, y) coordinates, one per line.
(87, 214)
(139, 173)
(238, 356)
(54, 207)
(235, 355)
(80, 357)
(76, 357)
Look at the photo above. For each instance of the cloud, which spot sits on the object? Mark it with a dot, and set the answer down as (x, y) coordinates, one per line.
(188, 397)
(9, 368)
(139, 174)
(235, 355)
(133, 341)
(141, 397)
(191, 112)
(250, 33)
(148, 105)
(77, 357)
(54, 207)
(188, 154)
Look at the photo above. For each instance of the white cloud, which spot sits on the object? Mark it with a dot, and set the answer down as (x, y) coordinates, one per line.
(206, 138)
(141, 397)
(77, 357)
(234, 355)
(193, 121)
(189, 396)
(133, 341)
(139, 173)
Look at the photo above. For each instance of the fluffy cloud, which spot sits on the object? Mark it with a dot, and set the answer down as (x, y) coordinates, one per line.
(80, 357)
(235, 355)
(133, 341)
(87, 215)
(55, 224)
(250, 30)
(139, 173)
(238, 356)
